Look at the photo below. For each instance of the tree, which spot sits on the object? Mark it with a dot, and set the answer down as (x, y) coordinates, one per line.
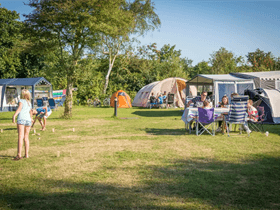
(224, 62)
(261, 61)
(10, 43)
(74, 26)
(143, 19)
(201, 68)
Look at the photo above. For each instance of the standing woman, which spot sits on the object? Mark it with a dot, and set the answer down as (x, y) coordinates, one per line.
(24, 121)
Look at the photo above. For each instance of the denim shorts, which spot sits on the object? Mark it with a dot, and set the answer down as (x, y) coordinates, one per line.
(24, 122)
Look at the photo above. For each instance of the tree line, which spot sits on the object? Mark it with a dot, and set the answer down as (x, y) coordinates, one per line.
(90, 44)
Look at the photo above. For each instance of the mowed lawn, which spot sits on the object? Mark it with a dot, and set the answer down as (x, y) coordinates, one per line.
(144, 159)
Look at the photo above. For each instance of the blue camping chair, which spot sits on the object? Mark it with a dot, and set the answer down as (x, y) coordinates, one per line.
(39, 102)
(52, 103)
(237, 115)
(206, 118)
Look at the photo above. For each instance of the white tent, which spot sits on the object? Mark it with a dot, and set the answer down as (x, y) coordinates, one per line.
(172, 85)
(218, 85)
(265, 79)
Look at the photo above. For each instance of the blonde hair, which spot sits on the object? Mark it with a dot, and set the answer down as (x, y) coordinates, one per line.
(250, 101)
(205, 103)
(25, 94)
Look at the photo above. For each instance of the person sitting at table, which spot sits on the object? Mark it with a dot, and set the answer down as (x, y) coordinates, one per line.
(223, 104)
(206, 105)
(198, 101)
(234, 95)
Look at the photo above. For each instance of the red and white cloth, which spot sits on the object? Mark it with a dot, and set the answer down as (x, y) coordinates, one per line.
(252, 111)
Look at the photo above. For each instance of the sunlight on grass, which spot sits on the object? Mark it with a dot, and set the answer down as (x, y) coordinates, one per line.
(142, 160)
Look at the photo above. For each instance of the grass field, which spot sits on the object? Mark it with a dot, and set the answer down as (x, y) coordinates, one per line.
(142, 160)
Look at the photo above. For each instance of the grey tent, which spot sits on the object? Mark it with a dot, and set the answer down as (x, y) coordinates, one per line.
(265, 79)
(10, 90)
(218, 85)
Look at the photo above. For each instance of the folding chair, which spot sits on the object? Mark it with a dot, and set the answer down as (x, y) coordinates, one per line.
(52, 103)
(237, 115)
(258, 125)
(205, 120)
(240, 99)
(170, 100)
(39, 102)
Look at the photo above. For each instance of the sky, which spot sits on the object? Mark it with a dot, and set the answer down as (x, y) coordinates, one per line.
(199, 28)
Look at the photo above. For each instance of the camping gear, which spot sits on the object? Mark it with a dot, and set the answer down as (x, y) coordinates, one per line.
(173, 85)
(237, 115)
(270, 100)
(10, 90)
(217, 86)
(265, 79)
(124, 100)
(39, 102)
(52, 103)
(205, 119)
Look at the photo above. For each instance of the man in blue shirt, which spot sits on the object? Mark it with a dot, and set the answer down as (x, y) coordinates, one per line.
(198, 101)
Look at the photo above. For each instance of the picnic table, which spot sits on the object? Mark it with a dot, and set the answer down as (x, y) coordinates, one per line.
(192, 112)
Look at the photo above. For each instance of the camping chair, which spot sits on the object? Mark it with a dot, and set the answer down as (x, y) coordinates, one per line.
(241, 99)
(237, 115)
(258, 126)
(153, 102)
(170, 100)
(39, 102)
(205, 120)
(52, 104)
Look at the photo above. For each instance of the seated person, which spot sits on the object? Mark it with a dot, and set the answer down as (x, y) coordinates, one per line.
(234, 95)
(42, 112)
(153, 99)
(252, 113)
(160, 99)
(198, 101)
(223, 104)
(206, 105)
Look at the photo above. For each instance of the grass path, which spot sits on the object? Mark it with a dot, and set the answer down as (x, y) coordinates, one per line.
(143, 160)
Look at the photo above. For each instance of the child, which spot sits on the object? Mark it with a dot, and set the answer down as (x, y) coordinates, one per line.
(252, 114)
(206, 105)
(24, 121)
(42, 112)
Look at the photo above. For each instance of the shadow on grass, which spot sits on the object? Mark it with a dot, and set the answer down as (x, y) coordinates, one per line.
(158, 113)
(6, 156)
(161, 131)
(181, 184)
(9, 129)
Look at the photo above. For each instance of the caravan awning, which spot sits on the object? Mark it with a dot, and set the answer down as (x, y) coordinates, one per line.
(210, 78)
(265, 75)
(25, 81)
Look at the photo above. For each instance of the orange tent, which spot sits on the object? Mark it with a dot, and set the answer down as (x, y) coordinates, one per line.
(124, 100)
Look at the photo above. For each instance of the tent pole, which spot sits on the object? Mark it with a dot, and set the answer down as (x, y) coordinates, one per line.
(2, 96)
(33, 95)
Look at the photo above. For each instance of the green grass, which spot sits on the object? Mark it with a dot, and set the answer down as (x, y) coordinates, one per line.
(143, 159)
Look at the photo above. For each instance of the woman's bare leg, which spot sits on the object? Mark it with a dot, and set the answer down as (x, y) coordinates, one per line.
(20, 138)
(26, 140)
